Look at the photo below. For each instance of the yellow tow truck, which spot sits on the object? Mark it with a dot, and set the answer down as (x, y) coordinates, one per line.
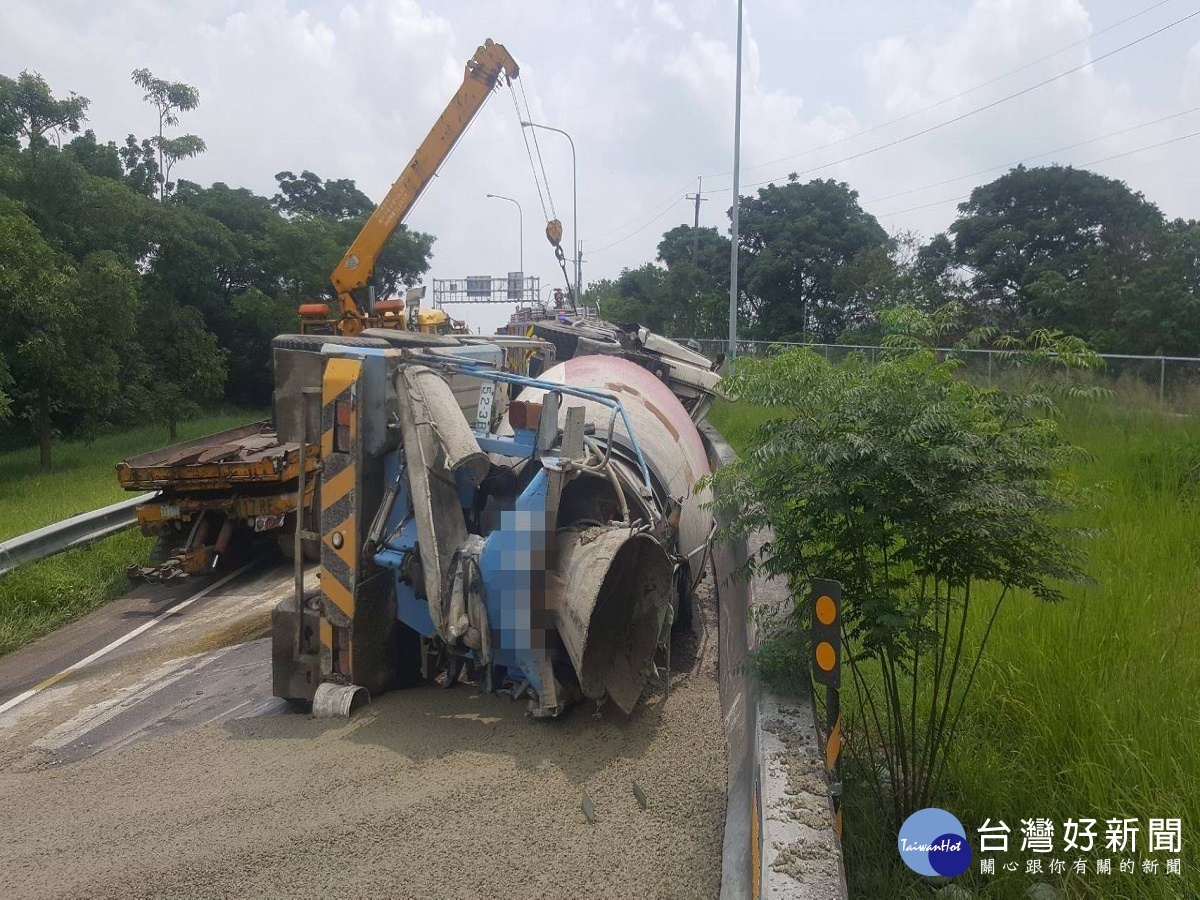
(247, 479)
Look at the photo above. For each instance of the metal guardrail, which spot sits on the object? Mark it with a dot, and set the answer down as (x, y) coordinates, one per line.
(72, 532)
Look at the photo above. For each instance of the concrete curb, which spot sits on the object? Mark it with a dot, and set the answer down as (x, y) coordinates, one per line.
(780, 840)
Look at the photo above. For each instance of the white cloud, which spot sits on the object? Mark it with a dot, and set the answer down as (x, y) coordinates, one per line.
(1191, 79)
(665, 13)
(994, 37)
(348, 88)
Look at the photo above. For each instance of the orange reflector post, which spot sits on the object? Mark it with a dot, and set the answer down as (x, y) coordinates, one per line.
(826, 610)
(826, 600)
(826, 656)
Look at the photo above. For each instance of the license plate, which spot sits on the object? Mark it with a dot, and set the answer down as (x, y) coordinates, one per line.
(483, 415)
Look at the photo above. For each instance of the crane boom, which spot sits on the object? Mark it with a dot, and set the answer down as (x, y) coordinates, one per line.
(353, 273)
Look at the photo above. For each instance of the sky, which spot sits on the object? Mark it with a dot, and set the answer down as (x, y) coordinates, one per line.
(909, 103)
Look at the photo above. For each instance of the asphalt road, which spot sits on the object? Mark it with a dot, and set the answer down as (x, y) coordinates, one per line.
(142, 755)
(165, 656)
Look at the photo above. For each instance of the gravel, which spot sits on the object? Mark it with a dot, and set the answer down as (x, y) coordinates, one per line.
(427, 793)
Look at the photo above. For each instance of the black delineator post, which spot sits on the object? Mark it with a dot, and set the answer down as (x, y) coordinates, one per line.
(826, 605)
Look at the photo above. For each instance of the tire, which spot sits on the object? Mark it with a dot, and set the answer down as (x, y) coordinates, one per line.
(287, 543)
(164, 546)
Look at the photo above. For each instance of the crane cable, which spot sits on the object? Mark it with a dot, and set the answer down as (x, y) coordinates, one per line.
(538, 148)
(527, 116)
(536, 182)
(553, 227)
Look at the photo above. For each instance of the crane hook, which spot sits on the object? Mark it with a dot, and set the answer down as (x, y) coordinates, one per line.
(554, 233)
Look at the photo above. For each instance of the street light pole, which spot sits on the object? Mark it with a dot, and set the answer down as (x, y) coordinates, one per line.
(737, 155)
(520, 236)
(574, 205)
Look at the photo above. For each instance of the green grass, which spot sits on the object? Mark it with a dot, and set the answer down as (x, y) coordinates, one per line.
(39, 597)
(1089, 708)
(83, 476)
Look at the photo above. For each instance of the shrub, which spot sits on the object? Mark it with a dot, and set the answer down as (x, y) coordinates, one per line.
(923, 494)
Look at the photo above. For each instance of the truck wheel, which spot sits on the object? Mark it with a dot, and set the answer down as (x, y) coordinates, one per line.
(164, 546)
(287, 543)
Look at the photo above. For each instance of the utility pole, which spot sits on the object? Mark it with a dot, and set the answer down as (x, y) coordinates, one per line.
(579, 280)
(737, 161)
(698, 199)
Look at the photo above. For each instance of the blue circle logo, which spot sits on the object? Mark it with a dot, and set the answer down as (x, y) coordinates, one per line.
(933, 842)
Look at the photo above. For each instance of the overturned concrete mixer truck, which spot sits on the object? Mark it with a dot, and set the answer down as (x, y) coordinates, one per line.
(538, 534)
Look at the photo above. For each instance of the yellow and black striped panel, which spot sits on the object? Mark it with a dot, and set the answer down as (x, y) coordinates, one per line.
(529, 332)
(833, 750)
(339, 515)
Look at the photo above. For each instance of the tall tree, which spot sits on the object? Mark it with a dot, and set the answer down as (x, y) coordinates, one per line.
(140, 162)
(711, 249)
(28, 109)
(182, 368)
(796, 242)
(170, 98)
(1033, 232)
(68, 331)
(307, 194)
(326, 215)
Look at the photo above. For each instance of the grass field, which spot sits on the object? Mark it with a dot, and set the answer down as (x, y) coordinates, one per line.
(1087, 709)
(39, 597)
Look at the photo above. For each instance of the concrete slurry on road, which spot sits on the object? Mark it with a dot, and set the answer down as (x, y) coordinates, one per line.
(165, 767)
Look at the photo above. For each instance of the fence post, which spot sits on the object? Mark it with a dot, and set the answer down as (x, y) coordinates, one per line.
(1162, 379)
(989, 356)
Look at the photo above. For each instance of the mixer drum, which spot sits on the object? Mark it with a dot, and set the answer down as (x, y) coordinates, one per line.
(611, 594)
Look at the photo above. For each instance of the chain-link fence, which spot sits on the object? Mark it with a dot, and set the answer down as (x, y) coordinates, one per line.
(1169, 380)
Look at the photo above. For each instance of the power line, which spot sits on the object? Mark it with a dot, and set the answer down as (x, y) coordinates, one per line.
(1026, 159)
(674, 203)
(640, 215)
(661, 212)
(945, 100)
(1094, 162)
(973, 112)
